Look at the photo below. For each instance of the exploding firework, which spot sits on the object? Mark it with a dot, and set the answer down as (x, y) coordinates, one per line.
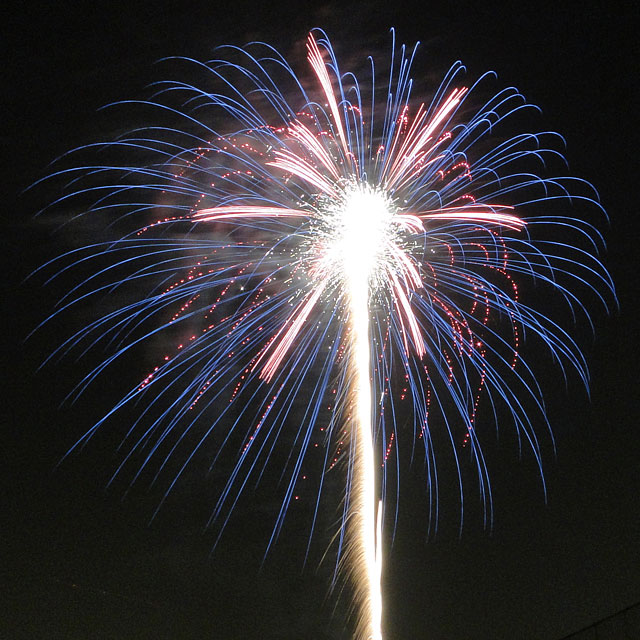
(335, 245)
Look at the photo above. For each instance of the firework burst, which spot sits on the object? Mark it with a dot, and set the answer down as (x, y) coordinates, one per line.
(340, 243)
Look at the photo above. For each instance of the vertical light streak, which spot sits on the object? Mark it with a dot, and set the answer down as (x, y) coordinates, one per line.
(365, 223)
(364, 493)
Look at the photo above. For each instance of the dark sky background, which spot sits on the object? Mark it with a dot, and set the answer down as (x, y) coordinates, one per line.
(80, 562)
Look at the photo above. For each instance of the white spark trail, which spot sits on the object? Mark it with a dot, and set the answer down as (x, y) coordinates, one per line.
(366, 220)
(365, 477)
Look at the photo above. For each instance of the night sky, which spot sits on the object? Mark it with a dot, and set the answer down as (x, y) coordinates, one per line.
(79, 561)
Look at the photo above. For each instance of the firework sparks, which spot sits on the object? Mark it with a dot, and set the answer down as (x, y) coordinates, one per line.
(326, 250)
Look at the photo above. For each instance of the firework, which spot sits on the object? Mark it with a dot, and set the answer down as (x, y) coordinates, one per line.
(339, 242)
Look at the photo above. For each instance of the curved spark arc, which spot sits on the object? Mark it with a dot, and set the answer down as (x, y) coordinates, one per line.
(274, 240)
